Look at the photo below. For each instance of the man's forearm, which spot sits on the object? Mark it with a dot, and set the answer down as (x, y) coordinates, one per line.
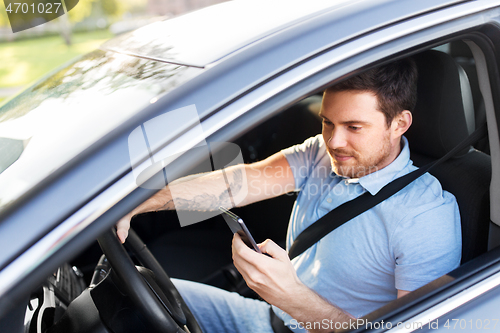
(206, 192)
(200, 192)
(234, 186)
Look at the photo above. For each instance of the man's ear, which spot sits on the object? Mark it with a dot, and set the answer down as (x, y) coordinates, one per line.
(402, 122)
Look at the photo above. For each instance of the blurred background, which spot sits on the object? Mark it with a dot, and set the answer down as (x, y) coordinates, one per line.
(27, 55)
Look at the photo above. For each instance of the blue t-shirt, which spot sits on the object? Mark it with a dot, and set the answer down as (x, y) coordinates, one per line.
(403, 243)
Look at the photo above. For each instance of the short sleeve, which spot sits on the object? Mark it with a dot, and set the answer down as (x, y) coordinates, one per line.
(428, 245)
(302, 159)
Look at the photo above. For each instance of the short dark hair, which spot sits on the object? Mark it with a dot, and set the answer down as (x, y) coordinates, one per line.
(394, 84)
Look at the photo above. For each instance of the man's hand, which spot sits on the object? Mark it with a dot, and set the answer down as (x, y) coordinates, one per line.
(273, 278)
(160, 201)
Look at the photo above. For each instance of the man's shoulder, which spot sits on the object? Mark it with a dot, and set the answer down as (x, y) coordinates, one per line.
(425, 194)
(425, 188)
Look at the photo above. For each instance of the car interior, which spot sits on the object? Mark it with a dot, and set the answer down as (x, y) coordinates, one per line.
(449, 108)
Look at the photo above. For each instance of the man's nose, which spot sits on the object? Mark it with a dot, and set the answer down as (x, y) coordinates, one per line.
(337, 139)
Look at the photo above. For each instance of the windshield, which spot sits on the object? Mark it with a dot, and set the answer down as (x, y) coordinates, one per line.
(54, 120)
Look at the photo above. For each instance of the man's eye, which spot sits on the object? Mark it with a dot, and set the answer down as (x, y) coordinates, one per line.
(355, 128)
(327, 122)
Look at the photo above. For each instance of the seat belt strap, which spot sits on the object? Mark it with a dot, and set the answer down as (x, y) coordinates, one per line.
(350, 209)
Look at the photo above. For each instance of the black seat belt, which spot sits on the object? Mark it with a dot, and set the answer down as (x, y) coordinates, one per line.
(349, 210)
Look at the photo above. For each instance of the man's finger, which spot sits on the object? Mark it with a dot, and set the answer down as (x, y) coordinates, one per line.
(274, 250)
(242, 264)
(122, 235)
(243, 252)
(122, 228)
(239, 247)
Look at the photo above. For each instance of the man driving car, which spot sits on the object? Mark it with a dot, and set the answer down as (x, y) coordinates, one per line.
(382, 254)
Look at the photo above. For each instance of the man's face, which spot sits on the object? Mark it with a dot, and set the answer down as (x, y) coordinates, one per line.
(356, 133)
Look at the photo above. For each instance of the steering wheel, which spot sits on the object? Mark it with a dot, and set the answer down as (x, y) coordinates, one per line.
(156, 297)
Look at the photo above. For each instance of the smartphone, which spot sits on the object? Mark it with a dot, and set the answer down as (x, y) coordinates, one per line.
(236, 224)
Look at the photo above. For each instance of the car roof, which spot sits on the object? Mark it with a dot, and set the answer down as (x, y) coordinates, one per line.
(230, 26)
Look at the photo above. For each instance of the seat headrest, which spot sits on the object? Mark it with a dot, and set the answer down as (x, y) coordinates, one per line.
(444, 114)
(459, 49)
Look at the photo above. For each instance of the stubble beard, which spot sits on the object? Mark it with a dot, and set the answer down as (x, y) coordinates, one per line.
(359, 166)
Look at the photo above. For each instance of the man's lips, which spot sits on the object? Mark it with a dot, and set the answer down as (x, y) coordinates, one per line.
(341, 158)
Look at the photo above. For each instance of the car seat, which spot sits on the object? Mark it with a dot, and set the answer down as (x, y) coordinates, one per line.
(443, 117)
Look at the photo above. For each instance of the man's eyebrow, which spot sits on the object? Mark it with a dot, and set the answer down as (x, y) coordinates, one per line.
(349, 122)
(354, 122)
